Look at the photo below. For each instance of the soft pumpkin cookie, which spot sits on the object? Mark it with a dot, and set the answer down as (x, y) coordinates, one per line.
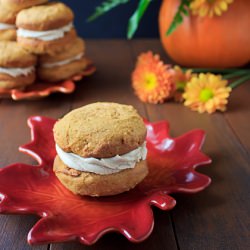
(101, 149)
(17, 5)
(87, 183)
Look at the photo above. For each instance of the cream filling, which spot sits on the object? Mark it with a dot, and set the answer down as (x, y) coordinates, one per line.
(47, 35)
(103, 166)
(15, 72)
(60, 63)
(6, 26)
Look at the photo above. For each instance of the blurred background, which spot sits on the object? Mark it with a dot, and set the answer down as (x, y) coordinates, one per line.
(113, 24)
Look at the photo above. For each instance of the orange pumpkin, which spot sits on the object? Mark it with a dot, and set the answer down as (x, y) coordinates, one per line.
(220, 42)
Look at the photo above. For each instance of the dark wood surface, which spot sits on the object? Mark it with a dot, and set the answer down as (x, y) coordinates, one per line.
(216, 218)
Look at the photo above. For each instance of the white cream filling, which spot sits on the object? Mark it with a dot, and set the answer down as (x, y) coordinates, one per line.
(17, 71)
(6, 26)
(103, 166)
(60, 63)
(47, 35)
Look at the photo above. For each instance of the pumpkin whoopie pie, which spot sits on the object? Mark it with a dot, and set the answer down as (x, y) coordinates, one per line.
(101, 149)
(17, 66)
(7, 24)
(54, 68)
(46, 28)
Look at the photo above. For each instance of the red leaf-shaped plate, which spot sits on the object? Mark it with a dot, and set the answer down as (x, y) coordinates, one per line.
(40, 89)
(30, 189)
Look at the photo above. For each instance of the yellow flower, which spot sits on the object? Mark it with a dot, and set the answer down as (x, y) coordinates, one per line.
(180, 78)
(206, 93)
(151, 79)
(209, 7)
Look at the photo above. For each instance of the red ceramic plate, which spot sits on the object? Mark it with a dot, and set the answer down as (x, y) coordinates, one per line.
(26, 189)
(40, 89)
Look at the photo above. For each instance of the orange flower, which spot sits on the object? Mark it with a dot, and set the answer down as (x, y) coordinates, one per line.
(206, 93)
(209, 7)
(151, 79)
(180, 79)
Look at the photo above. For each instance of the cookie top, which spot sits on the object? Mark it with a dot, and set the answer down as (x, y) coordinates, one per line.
(45, 17)
(14, 56)
(100, 130)
(16, 5)
(7, 16)
(78, 47)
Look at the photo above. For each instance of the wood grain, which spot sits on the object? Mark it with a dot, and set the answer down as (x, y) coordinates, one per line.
(217, 218)
(239, 121)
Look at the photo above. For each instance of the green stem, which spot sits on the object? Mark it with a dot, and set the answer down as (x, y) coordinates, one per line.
(239, 81)
(234, 74)
(214, 70)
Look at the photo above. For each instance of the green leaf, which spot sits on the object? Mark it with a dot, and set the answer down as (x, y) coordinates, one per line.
(185, 12)
(135, 19)
(178, 18)
(105, 7)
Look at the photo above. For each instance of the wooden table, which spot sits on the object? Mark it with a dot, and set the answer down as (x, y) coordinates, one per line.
(217, 218)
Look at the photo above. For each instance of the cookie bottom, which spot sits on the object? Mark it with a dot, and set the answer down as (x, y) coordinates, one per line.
(53, 47)
(9, 82)
(91, 184)
(8, 35)
(63, 72)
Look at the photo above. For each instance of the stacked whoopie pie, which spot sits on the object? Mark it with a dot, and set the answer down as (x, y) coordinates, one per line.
(43, 31)
(7, 24)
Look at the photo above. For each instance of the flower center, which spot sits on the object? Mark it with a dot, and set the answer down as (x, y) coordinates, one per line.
(150, 81)
(206, 94)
